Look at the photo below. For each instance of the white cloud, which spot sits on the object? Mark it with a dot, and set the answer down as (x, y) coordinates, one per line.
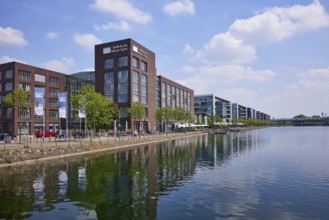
(87, 41)
(7, 59)
(10, 36)
(188, 49)
(120, 26)
(180, 7)
(52, 35)
(312, 80)
(238, 45)
(89, 69)
(63, 65)
(225, 48)
(311, 87)
(276, 24)
(122, 9)
(208, 79)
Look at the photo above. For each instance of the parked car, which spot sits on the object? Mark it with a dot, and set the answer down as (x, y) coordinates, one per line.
(4, 134)
(61, 133)
(79, 134)
(39, 134)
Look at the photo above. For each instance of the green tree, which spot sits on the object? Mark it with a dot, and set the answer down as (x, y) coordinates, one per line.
(300, 116)
(99, 110)
(137, 112)
(168, 115)
(179, 114)
(159, 116)
(212, 120)
(18, 100)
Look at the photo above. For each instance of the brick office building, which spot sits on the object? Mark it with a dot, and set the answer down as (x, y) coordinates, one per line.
(125, 71)
(170, 93)
(28, 77)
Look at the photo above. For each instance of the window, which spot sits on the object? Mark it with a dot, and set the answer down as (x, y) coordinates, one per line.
(143, 66)
(40, 78)
(53, 91)
(28, 99)
(123, 61)
(53, 80)
(0, 75)
(25, 86)
(123, 76)
(144, 89)
(24, 74)
(123, 112)
(173, 97)
(53, 102)
(135, 62)
(9, 74)
(8, 113)
(109, 84)
(135, 86)
(0, 100)
(53, 114)
(8, 86)
(168, 94)
(0, 87)
(108, 63)
(24, 113)
(163, 94)
(122, 86)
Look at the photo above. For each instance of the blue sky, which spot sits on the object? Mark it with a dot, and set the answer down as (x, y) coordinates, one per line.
(270, 55)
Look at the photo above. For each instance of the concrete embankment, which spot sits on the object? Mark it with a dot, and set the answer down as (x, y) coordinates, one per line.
(15, 155)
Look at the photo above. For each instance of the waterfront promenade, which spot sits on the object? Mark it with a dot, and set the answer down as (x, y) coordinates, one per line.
(14, 153)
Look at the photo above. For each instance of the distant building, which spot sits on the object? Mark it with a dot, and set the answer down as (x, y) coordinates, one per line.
(239, 111)
(209, 104)
(28, 77)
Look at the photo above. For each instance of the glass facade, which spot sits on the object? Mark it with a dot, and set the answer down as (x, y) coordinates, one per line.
(135, 86)
(109, 85)
(144, 89)
(122, 86)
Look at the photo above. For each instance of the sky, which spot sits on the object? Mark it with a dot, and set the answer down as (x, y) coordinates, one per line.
(270, 55)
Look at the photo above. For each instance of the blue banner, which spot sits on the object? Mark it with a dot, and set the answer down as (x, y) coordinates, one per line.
(39, 101)
(62, 104)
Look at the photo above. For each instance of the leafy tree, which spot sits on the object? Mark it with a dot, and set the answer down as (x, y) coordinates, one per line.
(137, 112)
(159, 115)
(300, 116)
(214, 119)
(99, 110)
(18, 100)
(179, 114)
(168, 115)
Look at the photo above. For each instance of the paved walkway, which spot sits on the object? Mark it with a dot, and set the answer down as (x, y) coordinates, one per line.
(52, 141)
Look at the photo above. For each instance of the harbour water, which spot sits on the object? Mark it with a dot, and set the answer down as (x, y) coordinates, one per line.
(269, 173)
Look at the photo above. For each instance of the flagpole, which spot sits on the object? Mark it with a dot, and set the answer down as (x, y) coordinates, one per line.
(67, 117)
(44, 117)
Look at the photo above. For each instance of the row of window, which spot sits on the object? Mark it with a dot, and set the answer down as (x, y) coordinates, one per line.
(25, 113)
(123, 61)
(22, 74)
(171, 95)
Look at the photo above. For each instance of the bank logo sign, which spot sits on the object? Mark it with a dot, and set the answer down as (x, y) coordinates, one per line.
(115, 48)
(106, 50)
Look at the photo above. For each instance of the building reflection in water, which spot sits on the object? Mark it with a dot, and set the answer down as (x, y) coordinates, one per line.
(120, 185)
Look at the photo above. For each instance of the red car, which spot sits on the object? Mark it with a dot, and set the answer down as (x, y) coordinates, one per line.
(39, 134)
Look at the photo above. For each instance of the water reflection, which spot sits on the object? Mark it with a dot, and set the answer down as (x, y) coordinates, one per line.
(120, 185)
(210, 176)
